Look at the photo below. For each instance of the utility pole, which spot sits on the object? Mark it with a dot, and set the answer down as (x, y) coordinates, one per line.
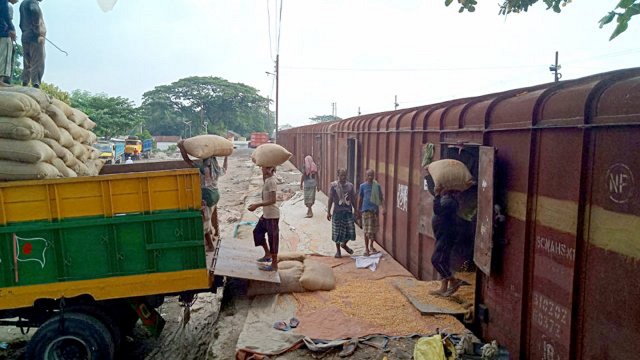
(277, 93)
(555, 68)
(395, 103)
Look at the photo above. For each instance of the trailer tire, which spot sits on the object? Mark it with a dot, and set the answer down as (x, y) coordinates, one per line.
(103, 316)
(71, 335)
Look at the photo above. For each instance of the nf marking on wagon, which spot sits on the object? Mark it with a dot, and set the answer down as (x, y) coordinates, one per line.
(620, 183)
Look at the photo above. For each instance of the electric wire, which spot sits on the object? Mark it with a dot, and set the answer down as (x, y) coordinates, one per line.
(269, 28)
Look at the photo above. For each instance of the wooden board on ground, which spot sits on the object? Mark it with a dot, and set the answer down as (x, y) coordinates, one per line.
(440, 305)
(238, 260)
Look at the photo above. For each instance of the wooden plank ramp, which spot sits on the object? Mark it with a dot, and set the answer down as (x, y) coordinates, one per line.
(237, 259)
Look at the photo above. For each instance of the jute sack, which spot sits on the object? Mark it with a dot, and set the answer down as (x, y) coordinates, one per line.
(61, 152)
(270, 155)
(291, 256)
(27, 151)
(63, 169)
(317, 276)
(20, 129)
(66, 139)
(205, 146)
(89, 138)
(12, 170)
(77, 117)
(78, 150)
(51, 130)
(95, 166)
(89, 124)
(289, 283)
(288, 264)
(66, 109)
(58, 116)
(81, 169)
(76, 132)
(450, 175)
(42, 98)
(93, 152)
(17, 105)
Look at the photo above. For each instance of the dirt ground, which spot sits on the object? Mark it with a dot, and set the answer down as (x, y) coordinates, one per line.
(216, 320)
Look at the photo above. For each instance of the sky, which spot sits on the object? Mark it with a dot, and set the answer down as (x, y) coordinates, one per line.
(359, 54)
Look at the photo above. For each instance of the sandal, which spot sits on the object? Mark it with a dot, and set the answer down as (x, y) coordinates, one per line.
(294, 322)
(347, 249)
(264, 259)
(267, 268)
(281, 325)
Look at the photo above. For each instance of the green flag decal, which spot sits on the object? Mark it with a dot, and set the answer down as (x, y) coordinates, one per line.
(31, 249)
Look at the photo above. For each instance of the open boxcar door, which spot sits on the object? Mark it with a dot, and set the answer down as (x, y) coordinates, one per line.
(484, 227)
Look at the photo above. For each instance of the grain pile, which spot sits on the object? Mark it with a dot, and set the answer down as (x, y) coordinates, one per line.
(460, 302)
(43, 138)
(371, 306)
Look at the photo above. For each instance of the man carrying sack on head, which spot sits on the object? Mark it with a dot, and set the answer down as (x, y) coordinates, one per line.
(268, 223)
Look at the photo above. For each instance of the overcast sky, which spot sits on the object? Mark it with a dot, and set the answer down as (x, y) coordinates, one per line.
(357, 53)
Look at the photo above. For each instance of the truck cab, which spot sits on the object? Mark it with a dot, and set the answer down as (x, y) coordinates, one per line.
(110, 152)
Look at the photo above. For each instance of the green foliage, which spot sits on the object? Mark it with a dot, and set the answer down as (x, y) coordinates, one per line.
(114, 116)
(623, 12)
(209, 105)
(324, 118)
(171, 149)
(56, 92)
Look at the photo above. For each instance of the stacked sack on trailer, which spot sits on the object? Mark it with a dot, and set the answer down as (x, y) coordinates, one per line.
(44, 138)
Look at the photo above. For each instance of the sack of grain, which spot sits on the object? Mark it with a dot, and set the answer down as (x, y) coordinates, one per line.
(13, 170)
(317, 276)
(17, 105)
(63, 169)
(58, 116)
(61, 152)
(42, 98)
(88, 137)
(95, 166)
(20, 129)
(205, 146)
(289, 283)
(51, 130)
(92, 152)
(291, 256)
(450, 175)
(66, 139)
(288, 264)
(81, 169)
(89, 124)
(269, 155)
(66, 109)
(78, 117)
(78, 150)
(27, 151)
(76, 132)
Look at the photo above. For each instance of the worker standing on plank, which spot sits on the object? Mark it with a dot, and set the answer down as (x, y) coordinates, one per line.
(34, 33)
(268, 223)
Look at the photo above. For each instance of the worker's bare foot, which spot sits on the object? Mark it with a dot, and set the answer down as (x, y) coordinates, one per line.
(455, 285)
(438, 292)
(374, 250)
(338, 255)
(347, 249)
(366, 253)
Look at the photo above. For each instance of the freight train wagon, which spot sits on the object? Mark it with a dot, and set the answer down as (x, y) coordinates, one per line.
(556, 279)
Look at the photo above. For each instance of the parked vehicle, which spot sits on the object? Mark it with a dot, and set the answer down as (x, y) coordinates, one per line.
(112, 153)
(84, 269)
(258, 138)
(136, 149)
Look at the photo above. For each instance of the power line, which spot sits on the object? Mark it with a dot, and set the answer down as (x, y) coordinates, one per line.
(279, 27)
(269, 27)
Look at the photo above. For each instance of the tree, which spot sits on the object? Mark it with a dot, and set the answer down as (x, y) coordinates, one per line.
(16, 65)
(56, 92)
(209, 105)
(324, 118)
(622, 13)
(114, 116)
